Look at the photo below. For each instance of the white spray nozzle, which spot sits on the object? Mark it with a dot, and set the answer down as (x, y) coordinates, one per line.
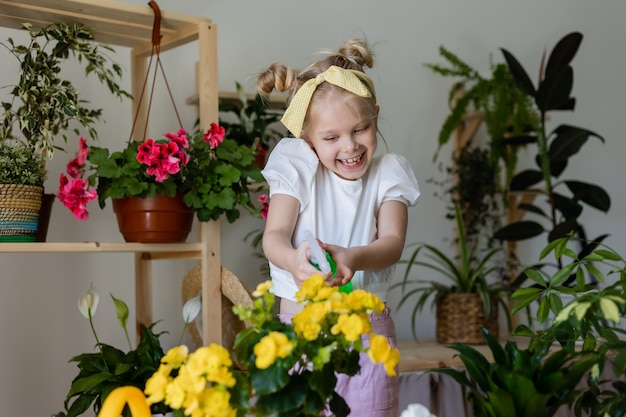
(317, 253)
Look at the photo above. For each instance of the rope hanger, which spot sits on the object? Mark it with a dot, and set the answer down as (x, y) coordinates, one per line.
(155, 53)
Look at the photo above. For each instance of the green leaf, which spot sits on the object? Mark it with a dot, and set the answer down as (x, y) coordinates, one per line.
(270, 380)
(519, 231)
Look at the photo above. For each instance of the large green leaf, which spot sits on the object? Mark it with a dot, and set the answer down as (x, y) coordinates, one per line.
(564, 51)
(554, 91)
(520, 230)
(519, 73)
(591, 194)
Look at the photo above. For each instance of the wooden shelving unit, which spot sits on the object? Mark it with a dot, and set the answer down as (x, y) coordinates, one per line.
(120, 24)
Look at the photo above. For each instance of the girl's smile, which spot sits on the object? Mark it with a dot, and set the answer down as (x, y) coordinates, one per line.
(343, 134)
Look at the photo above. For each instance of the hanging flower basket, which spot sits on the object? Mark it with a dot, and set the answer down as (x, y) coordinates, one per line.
(157, 219)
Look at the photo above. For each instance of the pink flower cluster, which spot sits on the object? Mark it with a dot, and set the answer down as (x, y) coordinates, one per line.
(164, 159)
(74, 191)
(214, 136)
(265, 205)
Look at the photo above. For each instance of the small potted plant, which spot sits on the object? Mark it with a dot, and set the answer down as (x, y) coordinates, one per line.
(43, 105)
(470, 297)
(251, 122)
(207, 173)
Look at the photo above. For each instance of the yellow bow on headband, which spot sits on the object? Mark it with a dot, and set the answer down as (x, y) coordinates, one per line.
(353, 81)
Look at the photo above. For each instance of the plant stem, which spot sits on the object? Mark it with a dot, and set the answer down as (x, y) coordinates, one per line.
(130, 345)
(93, 329)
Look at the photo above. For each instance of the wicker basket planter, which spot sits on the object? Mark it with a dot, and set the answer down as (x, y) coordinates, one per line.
(19, 212)
(460, 317)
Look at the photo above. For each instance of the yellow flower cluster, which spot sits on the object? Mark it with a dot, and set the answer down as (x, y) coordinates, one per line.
(196, 383)
(348, 314)
(274, 345)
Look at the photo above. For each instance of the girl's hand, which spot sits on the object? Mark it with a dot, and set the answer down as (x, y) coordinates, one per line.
(345, 270)
(301, 268)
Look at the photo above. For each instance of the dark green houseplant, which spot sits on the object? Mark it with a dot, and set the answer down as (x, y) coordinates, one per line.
(563, 200)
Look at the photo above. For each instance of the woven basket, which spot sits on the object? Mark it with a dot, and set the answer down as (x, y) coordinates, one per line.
(460, 317)
(19, 212)
(233, 292)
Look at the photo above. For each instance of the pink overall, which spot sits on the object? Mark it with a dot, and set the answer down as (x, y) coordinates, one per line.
(370, 393)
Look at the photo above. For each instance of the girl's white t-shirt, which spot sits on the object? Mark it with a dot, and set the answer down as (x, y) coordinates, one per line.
(335, 210)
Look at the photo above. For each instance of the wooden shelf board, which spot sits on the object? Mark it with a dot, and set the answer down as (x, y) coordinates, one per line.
(160, 250)
(114, 22)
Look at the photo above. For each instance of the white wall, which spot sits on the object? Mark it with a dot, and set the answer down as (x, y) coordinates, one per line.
(41, 327)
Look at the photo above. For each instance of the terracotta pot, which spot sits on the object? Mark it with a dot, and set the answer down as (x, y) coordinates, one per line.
(158, 219)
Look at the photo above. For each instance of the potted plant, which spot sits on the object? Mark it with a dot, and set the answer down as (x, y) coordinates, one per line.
(42, 104)
(21, 188)
(109, 367)
(207, 172)
(251, 122)
(468, 293)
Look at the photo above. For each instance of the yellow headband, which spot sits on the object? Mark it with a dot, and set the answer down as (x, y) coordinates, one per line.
(353, 81)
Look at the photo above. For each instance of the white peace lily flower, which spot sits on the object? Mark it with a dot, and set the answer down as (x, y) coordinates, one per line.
(192, 308)
(416, 410)
(89, 301)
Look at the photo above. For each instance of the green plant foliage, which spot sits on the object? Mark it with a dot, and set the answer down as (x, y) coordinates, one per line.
(43, 103)
(250, 121)
(20, 165)
(566, 198)
(518, 382)
(103, 371)
(507, 108)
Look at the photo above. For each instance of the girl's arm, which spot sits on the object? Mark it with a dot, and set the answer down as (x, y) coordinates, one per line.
(383, 252)
(277, 246)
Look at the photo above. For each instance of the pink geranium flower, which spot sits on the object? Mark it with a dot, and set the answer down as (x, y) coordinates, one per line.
(215, 135)
(75, 194)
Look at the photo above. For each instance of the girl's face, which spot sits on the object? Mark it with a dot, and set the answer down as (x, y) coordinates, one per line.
(343, 134)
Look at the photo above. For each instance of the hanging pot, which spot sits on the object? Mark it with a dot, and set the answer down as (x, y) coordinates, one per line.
(158, 219)
(19, 212)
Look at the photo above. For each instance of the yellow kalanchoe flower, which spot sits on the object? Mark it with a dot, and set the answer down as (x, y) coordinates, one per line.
(352, 326)
(262, 288)
(308, 322)
(274, 345)
(381, 352)
(310, 288)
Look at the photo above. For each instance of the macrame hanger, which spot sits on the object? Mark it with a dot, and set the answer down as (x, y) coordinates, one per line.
(156, 51)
